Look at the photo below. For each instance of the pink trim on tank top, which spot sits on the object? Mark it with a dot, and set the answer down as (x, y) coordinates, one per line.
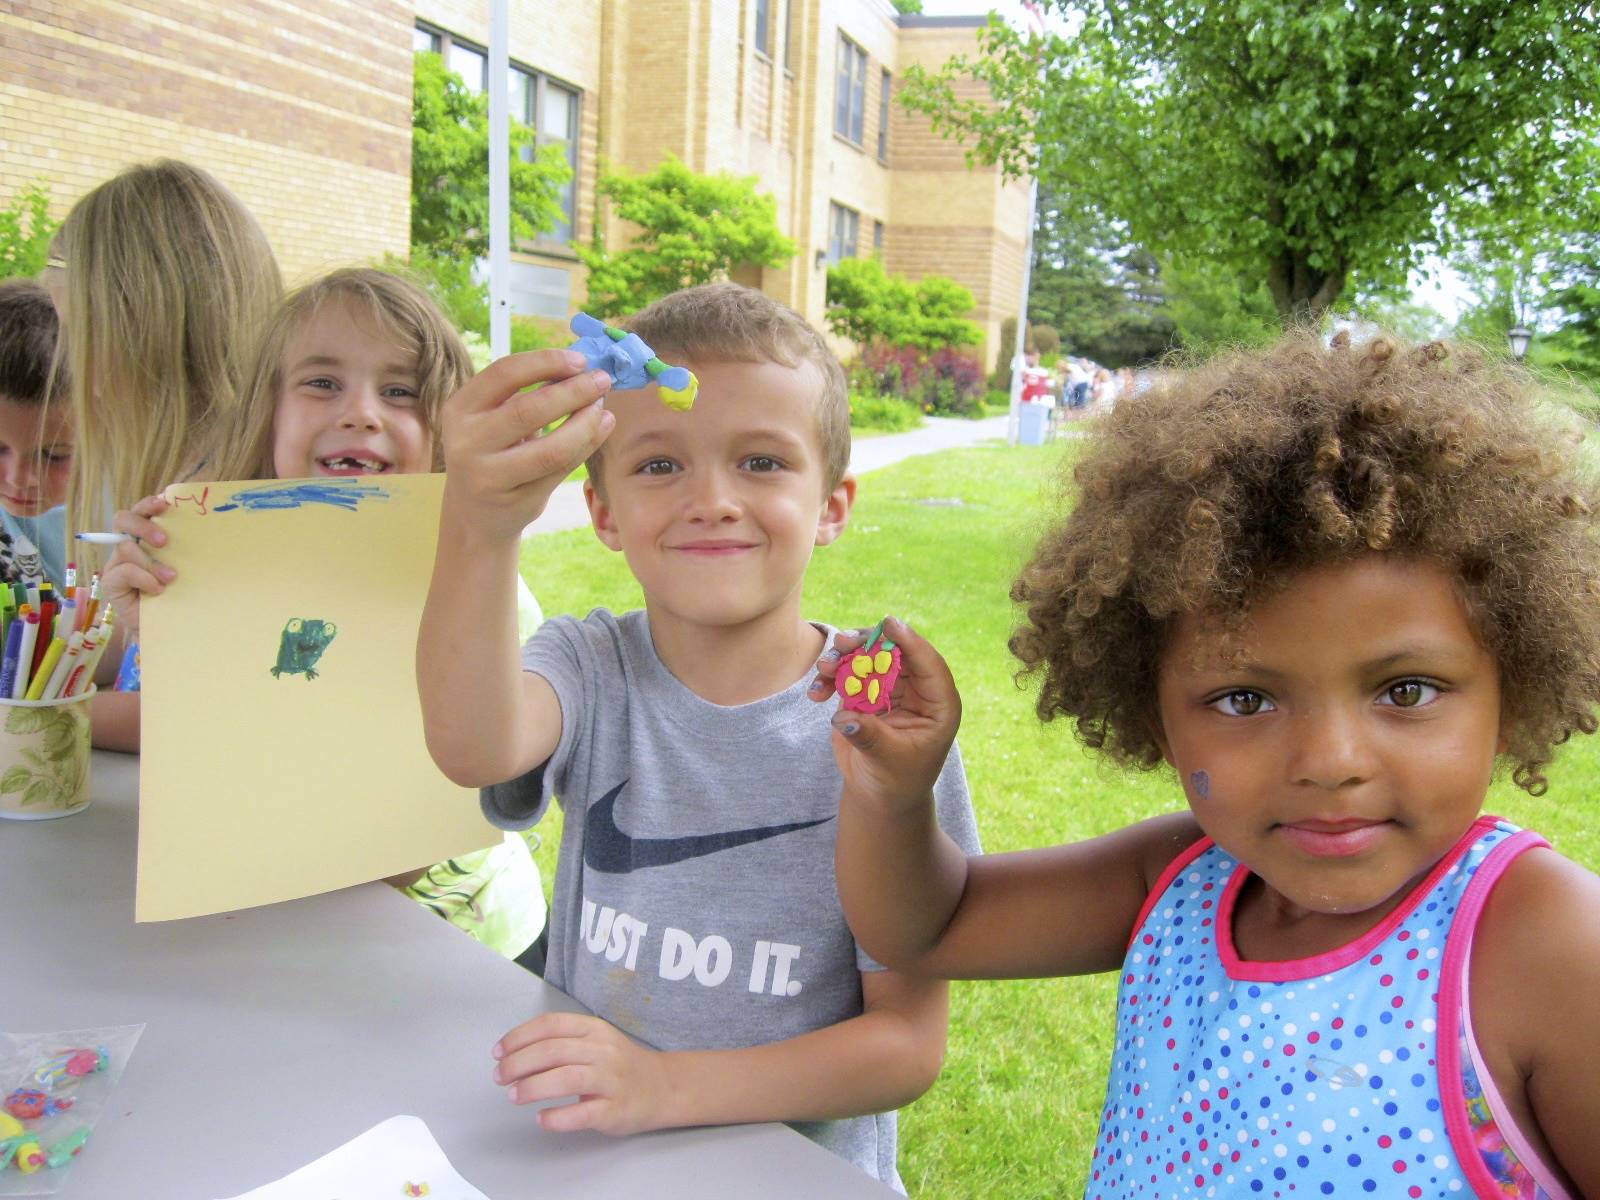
(1164, 881)
(1289, 969)
(1453, 1009)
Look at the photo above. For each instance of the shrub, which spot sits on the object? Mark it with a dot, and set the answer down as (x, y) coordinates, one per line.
(872, 410)
(866, 304)
(948, 382)
(25, 232)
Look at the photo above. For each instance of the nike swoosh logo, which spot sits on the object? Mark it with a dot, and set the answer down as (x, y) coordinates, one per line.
(608, 849)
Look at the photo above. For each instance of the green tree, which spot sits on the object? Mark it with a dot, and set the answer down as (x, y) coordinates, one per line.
(870, 306)
(1105, 296)
(450, 169)
(1301, 146)
(1211, 307)
(25, 232)
(692, 229)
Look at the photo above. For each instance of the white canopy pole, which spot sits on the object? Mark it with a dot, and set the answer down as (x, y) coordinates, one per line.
(499, 180)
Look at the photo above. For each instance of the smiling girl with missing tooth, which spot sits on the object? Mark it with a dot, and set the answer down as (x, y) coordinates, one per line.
(1332, 589)
(349, 380)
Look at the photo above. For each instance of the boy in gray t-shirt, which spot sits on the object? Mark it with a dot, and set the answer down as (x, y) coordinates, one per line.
(696, 907)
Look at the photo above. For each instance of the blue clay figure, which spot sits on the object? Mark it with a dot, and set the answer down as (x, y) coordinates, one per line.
(631, 363)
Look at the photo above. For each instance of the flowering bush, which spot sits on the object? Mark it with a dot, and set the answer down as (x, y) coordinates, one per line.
(948, 381)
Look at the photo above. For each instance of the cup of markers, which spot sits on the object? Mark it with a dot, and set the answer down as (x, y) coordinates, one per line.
(51, 649)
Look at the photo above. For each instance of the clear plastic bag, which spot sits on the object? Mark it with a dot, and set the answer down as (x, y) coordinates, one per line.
(53, 1088)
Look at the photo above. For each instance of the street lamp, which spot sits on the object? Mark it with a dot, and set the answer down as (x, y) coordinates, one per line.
(1519, 336)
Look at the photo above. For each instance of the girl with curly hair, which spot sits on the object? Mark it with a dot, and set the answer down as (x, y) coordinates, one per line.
(1332, 588)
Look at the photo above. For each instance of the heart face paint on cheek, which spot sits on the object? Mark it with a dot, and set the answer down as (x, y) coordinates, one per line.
(1201, 782)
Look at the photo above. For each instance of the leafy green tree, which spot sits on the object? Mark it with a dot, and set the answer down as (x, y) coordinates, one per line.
(1211, 307)
(25, 232)
(1301, 146)
(692, 229)
(450, 169)
(1105, 296)
(870, 306)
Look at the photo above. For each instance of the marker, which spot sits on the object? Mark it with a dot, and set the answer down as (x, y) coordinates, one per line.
(47, 666)
(30, 635)
(63, 668)
(72, 577)
(106, 539)
(82, 677)
(48, 607)
(8, 665)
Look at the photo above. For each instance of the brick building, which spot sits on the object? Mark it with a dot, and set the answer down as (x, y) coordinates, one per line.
(304, 110)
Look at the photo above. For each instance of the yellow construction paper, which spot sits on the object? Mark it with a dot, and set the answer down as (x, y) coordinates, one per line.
(256, 787)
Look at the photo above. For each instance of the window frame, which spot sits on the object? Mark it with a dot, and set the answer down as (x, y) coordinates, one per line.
(763, 28)
(540, 81)
(887, 83)
(850, 85)
(840, 218)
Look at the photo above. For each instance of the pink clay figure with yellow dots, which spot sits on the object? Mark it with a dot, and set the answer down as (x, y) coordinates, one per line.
(867, 676)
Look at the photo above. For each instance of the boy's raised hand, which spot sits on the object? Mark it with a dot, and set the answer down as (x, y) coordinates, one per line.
(132, 572)
(500, 468)
(621, 1086)
(894, 758)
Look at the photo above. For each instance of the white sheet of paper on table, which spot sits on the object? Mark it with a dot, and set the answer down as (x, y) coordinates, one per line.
(384, 1163)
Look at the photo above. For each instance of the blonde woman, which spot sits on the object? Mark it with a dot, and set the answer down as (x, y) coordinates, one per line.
(166, 282)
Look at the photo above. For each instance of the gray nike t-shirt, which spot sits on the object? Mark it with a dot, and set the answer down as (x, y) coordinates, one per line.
(695, 899)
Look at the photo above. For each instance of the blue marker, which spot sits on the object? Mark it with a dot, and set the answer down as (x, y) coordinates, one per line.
(8, 668)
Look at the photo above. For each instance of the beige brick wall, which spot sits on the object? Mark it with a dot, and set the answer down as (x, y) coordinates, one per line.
(302, 109)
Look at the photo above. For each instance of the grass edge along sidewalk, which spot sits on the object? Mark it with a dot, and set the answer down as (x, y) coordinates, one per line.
(937, 540)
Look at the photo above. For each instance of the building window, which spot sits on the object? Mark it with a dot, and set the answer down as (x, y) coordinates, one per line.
(551, 111)
(877, 238)
(788, 34)
(844, 226)
(764, 27)
(849, 116)
(549, 108)
(883, 119)
(469, 62)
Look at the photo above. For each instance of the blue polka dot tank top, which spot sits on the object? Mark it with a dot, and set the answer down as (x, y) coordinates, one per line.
(1337, 1075)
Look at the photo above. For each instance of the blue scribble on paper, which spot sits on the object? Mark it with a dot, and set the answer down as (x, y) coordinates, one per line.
(292, 495)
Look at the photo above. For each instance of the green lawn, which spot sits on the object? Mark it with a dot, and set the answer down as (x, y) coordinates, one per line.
(1016, 1108)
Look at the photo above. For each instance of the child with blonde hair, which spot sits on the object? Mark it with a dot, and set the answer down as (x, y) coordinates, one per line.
(349, 379)
(167, 282)
(1332, 589)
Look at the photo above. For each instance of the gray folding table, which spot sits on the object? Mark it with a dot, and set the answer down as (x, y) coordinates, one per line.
(275, 1034)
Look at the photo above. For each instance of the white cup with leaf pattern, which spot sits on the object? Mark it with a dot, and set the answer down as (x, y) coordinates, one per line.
(44, 757)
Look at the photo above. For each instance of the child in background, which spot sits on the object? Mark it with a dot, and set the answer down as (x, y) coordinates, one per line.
(695, 904)
(1330, 588)
(349, 380)
(35, 435)
(168, 283)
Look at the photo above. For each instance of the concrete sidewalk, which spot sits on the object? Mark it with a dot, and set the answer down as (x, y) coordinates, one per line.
(566, 509)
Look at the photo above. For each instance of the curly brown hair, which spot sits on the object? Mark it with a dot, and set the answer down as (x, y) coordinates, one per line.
(1209, 490)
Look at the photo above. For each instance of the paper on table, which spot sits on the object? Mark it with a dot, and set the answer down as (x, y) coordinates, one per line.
(397, 1158)
(282, 750)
